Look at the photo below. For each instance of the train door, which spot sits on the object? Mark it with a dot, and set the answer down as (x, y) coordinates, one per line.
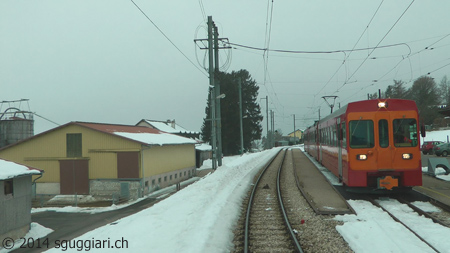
(320, 138)
(384, 148)
(341, 132)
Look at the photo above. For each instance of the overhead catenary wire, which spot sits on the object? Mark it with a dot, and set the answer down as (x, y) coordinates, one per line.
(390, 29)
(411, 70)
(171, 42)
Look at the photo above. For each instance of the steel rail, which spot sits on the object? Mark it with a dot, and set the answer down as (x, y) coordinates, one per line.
(371, 200)
(420, 211)
(250, 202)
(298, 248)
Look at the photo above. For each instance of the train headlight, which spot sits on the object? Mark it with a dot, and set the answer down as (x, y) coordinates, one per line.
(382, 104)
(407, 156)
(361, 157)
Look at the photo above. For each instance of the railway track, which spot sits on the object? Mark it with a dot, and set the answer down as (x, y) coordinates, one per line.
(391, 207)
(266, 227)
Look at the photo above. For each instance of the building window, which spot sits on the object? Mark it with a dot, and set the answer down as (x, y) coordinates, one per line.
(153, 182)
(159, 180)
(165, 178)
(8, 187)
(185, 173)
(180, 174)
(146, 183)
(176, 176)
(170, 177)
(73, 142)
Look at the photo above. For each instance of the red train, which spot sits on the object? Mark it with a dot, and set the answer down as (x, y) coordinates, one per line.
(370, 144)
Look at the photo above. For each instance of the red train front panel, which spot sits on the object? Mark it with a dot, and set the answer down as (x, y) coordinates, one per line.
(372, 143)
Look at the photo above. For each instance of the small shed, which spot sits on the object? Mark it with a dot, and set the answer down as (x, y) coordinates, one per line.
(203, 152)
(15, 199)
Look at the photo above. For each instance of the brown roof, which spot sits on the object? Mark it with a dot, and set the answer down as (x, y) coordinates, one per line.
(110, 128)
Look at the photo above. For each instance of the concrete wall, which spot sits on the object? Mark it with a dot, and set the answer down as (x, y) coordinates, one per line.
(48, 188)
(15, 209)
(162, 180)
(110, 188)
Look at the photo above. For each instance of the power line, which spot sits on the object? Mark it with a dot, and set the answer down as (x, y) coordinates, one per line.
(409, 59)
(353, 49)
(317, 52)
(167, 38)
(202, 9)
(390, 29)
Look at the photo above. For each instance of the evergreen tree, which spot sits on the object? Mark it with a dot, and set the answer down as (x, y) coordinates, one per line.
(230, 115)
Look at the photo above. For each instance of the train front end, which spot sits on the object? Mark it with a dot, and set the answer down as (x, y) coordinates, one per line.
(383, 150)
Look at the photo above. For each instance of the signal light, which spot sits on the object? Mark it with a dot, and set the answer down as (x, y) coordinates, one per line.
(407, 156)
(361, 157)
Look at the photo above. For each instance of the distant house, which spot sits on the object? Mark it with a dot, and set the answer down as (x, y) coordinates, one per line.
(202, 151)
(15, 199)
(105, 159)
(169, 126)
(294, 137)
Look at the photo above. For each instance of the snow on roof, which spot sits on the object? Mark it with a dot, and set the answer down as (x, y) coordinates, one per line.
(167, 127)
(160, 138)
(141, 134)
(203, 147)
(11, 170)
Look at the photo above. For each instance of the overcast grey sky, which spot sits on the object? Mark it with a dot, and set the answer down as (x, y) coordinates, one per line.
(104, 61)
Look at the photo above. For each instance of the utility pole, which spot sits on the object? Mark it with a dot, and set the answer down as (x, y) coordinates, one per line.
(240, 117)
(272, 122)
(213, 92)
(267, 121)
(216, 125)
(294, 129)
(217, 100)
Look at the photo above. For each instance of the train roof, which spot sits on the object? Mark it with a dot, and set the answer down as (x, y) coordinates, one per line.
(372, 105)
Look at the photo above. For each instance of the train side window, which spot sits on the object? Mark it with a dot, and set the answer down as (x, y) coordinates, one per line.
(383, 133)
(361, 134)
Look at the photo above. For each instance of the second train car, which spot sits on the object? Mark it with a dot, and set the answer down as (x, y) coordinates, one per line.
(372, 144)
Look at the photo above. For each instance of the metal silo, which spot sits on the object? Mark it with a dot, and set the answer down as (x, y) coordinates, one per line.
(15, 123)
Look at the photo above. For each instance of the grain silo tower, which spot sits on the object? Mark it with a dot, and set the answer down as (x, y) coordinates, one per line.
(16, 124)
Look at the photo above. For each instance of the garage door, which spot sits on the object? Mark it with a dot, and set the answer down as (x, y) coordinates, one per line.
(74, 176)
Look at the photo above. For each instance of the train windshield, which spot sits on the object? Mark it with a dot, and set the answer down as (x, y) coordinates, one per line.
(405, 132)
(361, 134)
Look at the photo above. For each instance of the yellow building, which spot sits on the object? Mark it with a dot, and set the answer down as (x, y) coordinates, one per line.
(105, 159)
(298, 134)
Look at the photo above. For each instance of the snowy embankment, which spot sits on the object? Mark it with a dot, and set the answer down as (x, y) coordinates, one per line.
(199, 218)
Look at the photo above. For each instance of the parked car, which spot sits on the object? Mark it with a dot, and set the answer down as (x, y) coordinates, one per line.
(427, 146)
(442, 149)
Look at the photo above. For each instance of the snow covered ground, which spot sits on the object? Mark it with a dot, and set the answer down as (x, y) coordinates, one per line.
(201, 217)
